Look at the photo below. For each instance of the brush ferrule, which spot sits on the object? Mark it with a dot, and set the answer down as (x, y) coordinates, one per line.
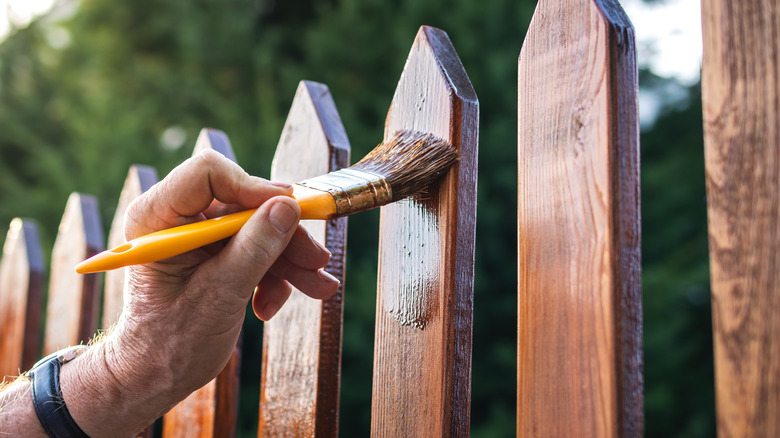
(353, 190)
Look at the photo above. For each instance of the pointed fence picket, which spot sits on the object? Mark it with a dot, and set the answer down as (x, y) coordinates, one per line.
(21, 298)
(139, 179)
(72, 308)
(422, 346)
(579, 288)
(211, 411)
(301, 366)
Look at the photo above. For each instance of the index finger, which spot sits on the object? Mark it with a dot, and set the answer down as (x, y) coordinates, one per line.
(190, 188)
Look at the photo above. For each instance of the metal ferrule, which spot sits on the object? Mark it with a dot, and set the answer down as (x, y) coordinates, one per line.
(353, 190)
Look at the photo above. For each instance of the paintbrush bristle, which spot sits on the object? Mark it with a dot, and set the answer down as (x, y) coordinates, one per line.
(410, 162)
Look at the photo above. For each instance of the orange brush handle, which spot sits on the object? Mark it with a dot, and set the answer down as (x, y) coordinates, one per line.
(167, 243)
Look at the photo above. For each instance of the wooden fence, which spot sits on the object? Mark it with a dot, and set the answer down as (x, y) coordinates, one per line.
(579, 267)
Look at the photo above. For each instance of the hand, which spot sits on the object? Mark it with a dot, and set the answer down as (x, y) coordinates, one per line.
(182, 316)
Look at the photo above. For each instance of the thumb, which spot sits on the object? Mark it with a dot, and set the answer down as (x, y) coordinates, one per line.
(251, 252)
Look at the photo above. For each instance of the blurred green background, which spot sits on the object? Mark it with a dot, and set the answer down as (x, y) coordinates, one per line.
(96, 85)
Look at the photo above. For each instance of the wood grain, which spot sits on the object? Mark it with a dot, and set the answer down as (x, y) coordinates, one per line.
(741, 103)
(21, 298)
(422, 350)
(72, 309)
(139, 179)
(211, 411)
(302, 344)
(579, 285)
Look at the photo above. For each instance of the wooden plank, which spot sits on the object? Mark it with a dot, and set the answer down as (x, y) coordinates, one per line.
(302, 344)
(139, 179)
(741, 98)
(72, 309)
(21, 298)
(579, 286)
(211, 411)
(422, 351)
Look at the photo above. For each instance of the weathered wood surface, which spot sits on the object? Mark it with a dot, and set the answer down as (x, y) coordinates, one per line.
(579, 286)
(302, 344)
(139, 179)
(741, 95)
(72, 308)
(211, 411)
(21, 298)
(422, 350)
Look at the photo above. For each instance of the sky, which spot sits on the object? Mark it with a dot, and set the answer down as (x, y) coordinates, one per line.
(668, 40)
(668, 36)
(20, 12)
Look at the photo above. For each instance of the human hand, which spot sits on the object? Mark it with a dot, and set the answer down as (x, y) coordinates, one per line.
(182, 316)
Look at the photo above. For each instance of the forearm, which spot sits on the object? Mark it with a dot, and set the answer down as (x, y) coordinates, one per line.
(99, 395)
(101, 400)
(17, 414)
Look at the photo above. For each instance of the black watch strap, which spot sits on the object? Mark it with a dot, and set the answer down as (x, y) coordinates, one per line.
(48, 401)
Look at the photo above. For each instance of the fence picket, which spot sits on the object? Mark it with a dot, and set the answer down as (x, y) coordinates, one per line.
(301, 364)
(422, 350)
(72, 308)
(740, 94)
(139, 179)
(21, 298)
(579, 297)
(211, 411)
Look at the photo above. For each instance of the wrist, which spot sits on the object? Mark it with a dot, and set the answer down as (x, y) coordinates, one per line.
(103, 397)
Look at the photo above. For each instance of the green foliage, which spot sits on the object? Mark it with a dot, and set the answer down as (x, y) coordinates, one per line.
(74, 118)
(679, 394)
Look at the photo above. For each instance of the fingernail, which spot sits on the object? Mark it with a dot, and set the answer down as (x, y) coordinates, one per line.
(321, 246)
(282, 217)
(269, 311)
(325, 275)
(281, 184)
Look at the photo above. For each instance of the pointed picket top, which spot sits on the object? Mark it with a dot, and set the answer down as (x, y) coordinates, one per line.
(302, 343)
(579, 288)
(139, 179)
(422, 350)
(21, 298)
(211, 411)
(314, 114)
(216, 140)
(72, 309)
(432, 71)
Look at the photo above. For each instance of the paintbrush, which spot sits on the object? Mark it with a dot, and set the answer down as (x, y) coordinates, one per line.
(404, 166)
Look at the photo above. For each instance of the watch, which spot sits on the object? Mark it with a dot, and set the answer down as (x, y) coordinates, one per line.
(47, 395)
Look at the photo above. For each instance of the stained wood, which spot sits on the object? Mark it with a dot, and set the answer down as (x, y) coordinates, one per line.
(21, 298)
(302, 344)
(579, 290)
(72, 309)
(422, 351)
(211, 411)
(139, 179)
(741, 95)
